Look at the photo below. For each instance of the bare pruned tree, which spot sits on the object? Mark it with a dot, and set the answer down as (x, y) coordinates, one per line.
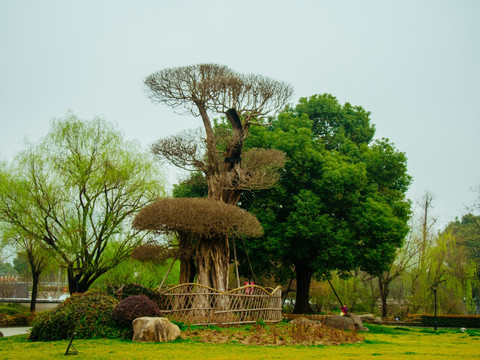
(205, 90)
(195, 219)
(185, 150)
(210, 88)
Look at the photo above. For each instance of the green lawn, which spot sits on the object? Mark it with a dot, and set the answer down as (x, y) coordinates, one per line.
(380, 343)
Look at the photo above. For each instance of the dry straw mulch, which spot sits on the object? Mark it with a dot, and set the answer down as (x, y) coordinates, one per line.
(278, 334)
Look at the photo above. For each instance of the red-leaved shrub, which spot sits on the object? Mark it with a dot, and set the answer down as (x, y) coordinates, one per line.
(133, 307)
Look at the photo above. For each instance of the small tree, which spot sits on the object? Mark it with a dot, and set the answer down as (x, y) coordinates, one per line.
(76, 192)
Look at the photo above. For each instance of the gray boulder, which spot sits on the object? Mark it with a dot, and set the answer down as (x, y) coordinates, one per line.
(367, 318)
(339, 322)
(357, 320)
(154, 329)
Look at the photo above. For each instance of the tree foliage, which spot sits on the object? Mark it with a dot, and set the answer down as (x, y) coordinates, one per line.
(76, 192)
(340, 203)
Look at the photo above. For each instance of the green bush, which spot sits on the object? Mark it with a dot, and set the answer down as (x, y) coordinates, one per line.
(135, 289)
(133, 307)
(21, 319)
(455, 321)
(9, 310)
(88, 315)
(15, 315)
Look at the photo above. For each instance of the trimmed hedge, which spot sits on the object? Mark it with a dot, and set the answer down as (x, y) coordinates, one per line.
(88, 315)
(454, 321)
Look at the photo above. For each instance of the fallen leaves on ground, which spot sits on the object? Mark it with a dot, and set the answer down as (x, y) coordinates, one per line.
(276, 334)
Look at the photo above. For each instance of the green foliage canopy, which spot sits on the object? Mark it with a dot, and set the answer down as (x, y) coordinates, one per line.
(340, 203)
(76, 192)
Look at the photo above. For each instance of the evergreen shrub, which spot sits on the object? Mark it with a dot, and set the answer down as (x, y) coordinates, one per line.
(15, 315)
(88, 315)
(454, 321)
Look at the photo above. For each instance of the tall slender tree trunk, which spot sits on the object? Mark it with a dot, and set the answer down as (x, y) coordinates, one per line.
(304, 278)
(35, 281)
(383, 285)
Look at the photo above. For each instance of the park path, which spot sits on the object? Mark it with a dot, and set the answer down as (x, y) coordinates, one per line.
(10, 331)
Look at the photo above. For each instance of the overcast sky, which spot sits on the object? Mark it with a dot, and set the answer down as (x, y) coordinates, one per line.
(415, 65)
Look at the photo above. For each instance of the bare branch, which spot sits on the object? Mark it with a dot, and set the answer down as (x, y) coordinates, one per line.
(185, 150)
(218, 88)
(260, 169)
(203, 217)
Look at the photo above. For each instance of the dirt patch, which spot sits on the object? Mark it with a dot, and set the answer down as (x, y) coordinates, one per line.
(278, 334)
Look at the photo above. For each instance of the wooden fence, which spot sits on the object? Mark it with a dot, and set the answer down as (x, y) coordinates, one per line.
(197, 304)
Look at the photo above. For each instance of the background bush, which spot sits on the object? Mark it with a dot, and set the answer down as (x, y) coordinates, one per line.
(133, 307)
(147, 274)
(15, 315)
(88, 314)
(457, 321)
(136, 289)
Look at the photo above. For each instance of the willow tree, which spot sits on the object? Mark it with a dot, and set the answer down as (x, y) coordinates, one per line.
(76, 192)
(208, 90)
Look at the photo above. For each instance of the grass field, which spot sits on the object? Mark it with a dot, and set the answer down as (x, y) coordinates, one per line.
(380, 343)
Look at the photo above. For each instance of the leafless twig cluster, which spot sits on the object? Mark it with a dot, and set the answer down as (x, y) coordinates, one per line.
(199, 216)
(218, 88)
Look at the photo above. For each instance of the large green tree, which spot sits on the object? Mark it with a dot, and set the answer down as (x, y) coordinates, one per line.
(340, 203)
(76, 192)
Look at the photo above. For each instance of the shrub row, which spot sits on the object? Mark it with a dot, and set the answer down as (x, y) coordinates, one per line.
(22, 319)
(451, 321)
(88, 315)
(96, 315)
(15, 315)
(9, 310)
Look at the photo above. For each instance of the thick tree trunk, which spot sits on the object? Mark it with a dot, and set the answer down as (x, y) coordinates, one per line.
(304, 278)
(188, 270)
(384, 291)
(35, 281)
(213, 256)
(81, 283)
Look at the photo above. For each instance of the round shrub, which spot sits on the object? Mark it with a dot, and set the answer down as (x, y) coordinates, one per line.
(88, 315)
(136, 289)
(133, 307)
